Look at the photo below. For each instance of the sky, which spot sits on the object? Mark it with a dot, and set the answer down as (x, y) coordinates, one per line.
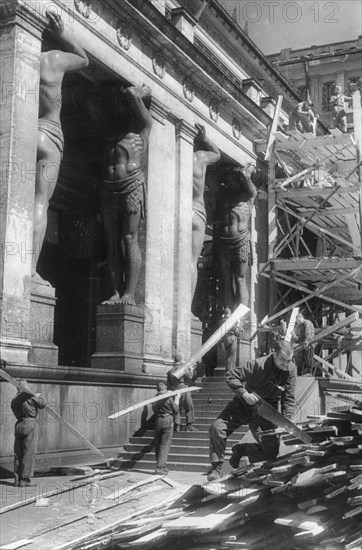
(274, 24)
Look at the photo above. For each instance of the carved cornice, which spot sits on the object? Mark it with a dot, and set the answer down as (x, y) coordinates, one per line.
(79, 375)
(183, 12)
(158, 110)
(161, 35)
(17, 12)
(185, 131)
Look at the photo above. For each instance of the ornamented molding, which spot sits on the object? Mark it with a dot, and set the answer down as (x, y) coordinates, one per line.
(159, 64)
(124, 36)
(158, 110)
(188, 88)
(83, 7)
(185, 130)
(17, 12)
(214, 110)
(236, 127)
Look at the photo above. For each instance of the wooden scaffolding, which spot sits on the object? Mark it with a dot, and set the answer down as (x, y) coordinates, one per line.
(315, 241)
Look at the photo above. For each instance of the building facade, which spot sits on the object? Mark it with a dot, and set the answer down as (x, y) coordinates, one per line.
(325, 67)
(89, 360)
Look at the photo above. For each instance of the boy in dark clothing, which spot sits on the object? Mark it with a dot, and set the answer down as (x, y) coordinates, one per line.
(271, 378)
(25, 407)
(164, 411)
(186, 402)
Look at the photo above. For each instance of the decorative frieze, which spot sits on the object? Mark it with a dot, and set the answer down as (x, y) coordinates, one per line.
(188, 89)
(124, 36)
(83, 7)
(159, 64)
(236, 128)
(214, 110)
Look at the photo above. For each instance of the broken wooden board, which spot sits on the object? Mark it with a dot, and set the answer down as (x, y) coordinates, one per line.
(154, 399)
(238, 314)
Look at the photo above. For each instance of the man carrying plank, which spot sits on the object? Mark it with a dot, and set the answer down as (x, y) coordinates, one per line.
(25, 407)
(272, 378)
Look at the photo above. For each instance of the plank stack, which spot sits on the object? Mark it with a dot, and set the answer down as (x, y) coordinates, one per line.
(309, 498)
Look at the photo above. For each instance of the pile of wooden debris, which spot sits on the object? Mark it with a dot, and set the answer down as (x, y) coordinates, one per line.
(310, 498)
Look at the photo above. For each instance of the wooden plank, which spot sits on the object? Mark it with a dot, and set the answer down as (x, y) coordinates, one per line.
(357, 123)
(314, 143)
(331, 212)
(238, 314)
(321, 264)
(176, 493)
(291, 324)
(312, 192)
(316, 293)
(322, 296)
(334, 369)
(153, 399)
(274, 127)
(54, 414)
(317, 229)
(116, 494)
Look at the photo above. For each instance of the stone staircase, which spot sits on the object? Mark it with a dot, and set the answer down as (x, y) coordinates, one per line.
(190, 450)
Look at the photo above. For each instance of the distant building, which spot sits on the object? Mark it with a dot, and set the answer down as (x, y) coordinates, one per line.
(326, 66)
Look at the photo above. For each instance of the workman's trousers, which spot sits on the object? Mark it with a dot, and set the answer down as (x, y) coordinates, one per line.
(238, 413)
(304, 360)
(25, 446)
(187, 405)
(230, 349)
(163, 439)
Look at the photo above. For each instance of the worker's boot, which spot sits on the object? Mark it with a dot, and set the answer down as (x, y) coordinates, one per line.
(177, 428)
(216, 471)
(27, 483)
(238, 451)
(191, 428)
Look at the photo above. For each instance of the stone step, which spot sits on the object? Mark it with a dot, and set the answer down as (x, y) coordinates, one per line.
(184, 437)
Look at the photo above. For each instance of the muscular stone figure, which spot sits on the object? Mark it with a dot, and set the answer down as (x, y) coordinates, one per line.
(122, 191)
(206, 153)
(237, 195)
(53, 65)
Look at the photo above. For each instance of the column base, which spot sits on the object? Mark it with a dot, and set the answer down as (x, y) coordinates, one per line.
(120, 335)
(156, 365)
(15, 350)
(41, 325)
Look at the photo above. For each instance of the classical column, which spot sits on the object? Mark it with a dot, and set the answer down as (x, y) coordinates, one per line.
(20, 44)
(159, 256)
(185, 135)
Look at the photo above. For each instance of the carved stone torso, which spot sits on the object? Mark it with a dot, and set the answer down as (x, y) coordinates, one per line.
(122, 155)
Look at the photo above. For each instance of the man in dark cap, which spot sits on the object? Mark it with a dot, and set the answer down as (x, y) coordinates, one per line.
(25, 407)
(273, 379)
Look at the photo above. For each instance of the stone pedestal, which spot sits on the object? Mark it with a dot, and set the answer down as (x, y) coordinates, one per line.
(120, 335)
(196, 335)
(41, 325)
